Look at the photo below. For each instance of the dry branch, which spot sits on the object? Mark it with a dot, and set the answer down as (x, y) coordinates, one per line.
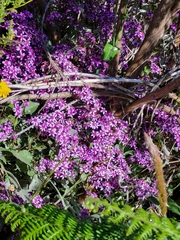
(160, 22)
(150, 97)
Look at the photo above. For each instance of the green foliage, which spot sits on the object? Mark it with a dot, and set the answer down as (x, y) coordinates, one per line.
(140, 223)
(109, 52)
(49, 222)
(173, 206)
(31, 108)
(7, 6)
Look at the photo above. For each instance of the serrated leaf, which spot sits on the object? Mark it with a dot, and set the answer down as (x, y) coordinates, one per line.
(109, 52)
(31, 108)
(24, 156)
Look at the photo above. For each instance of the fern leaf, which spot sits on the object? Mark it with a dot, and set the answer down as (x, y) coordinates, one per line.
(146, 233)
(51, 223)
(162, 236)
(135, 224)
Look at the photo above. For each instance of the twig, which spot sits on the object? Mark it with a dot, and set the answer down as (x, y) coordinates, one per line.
(77, 83)
(24, 130)
(159, 93)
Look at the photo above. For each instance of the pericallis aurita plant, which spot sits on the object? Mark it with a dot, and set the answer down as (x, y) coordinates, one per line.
(88, 138)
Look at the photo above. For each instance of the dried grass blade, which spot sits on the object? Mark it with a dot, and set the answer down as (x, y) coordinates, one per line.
(161, 185)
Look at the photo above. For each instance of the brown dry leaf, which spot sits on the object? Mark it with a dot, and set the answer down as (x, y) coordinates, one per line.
(161, 185)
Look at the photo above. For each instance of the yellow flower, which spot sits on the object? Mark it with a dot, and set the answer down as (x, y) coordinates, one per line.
(4, 89)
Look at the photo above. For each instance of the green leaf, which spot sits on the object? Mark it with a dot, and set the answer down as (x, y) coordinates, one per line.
(14, 120)
(35, 183)
(129, 152)
(24, 194)
(147, 70)
(3, 149)
(3, 159)
(31, 108)
(173, 206)
(24, 156)
(21, 167)
(84, 176)
(154, 200)
(30, 172)
(177, 175)
(6, 154)
(109, 52)
(11, 105)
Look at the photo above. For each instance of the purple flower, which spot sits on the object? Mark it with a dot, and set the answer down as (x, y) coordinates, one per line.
(144, 190)
(38, 201)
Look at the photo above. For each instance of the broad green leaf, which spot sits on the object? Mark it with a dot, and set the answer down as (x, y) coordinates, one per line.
(31, 108)
(109, 52)
(3, 149)
(24, 156)
(11, 105)
(154, 200)
(173, 206)
(3, 159)
(30, 172)
(35, 183)
(6, 153)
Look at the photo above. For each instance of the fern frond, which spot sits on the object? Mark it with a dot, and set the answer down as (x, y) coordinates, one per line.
(51, 223)
(145, 234)
(141, 223)
(134, 225)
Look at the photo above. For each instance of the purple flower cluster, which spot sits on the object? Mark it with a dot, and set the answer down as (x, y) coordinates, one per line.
(62, 55)
(38, 201)
(133, 33)
(87, 138)
(144, 189)
(52, 17)
(22, 60)
(86, 55)
(3, 192)
(132, 38)
(142, 157)
(154, 65)
(169, 125)
(6, 130)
